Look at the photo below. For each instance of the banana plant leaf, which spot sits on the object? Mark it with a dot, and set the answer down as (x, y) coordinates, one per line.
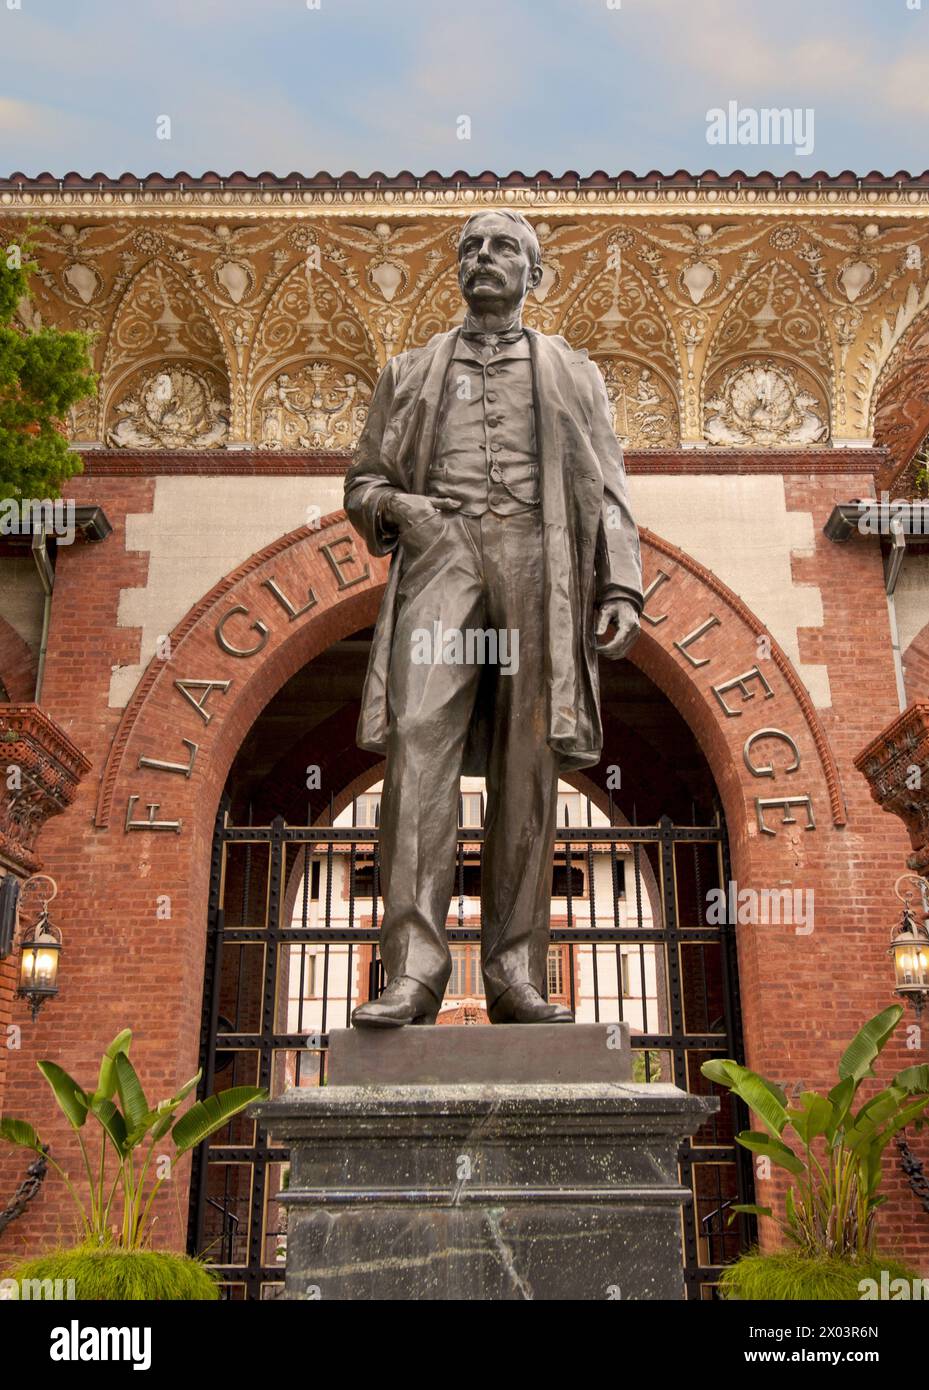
(760, 1095)
(781, 1154)
(20, 1133)
(106, 1083)
(913, 1080)
(68, 1093)
(812, 1118)
(136, 1109)
(167, 1108)
(879, 1108)
(858, 1057)
(749, 1209)
(905, 1117)
(207, 1116)
(113, 1124)
(840, 1098)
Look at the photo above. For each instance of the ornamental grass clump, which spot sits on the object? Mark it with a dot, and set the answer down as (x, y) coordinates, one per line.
(121, 1185)
(102, 1273)
(791, 1275)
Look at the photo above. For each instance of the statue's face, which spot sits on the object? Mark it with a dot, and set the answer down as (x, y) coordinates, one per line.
(495, 269)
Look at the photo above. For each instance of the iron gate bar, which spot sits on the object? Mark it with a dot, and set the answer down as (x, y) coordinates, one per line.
(665, 935)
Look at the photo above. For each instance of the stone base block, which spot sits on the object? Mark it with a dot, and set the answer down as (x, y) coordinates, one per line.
(508, 1052)
(484, 1191)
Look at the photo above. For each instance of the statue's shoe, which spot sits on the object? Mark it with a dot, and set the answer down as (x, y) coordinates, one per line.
(523, 1004)
(403, 1001)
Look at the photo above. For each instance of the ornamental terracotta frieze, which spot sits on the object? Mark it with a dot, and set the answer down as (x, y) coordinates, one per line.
(224, 325)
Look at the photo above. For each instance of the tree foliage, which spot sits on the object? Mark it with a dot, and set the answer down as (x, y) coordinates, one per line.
(42, 375)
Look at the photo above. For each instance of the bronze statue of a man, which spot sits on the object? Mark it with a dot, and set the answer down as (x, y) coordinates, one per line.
(488, 465)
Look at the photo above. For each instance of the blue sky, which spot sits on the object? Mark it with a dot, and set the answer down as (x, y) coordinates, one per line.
(380, 84)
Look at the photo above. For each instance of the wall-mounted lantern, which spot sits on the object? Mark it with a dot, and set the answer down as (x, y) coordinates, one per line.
(40, 949)
(910, 949)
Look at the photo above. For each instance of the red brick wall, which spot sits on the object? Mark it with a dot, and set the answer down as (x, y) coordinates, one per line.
(803, 996)
(7, 986)
(916, 667)
(110, 972)
(18, 665)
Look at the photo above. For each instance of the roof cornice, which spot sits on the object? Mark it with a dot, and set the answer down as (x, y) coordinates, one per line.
(290, 195)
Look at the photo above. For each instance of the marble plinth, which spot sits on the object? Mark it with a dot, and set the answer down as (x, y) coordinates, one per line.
(495, 1190)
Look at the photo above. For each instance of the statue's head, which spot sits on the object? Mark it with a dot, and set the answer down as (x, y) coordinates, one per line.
(499, 261)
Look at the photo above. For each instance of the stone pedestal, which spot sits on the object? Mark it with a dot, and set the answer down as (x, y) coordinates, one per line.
(462, 1189)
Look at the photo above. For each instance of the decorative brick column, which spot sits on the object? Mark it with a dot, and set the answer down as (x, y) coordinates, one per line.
(896, 765)
(45, 767)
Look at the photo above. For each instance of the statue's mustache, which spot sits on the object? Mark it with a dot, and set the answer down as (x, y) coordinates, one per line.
(487, 272)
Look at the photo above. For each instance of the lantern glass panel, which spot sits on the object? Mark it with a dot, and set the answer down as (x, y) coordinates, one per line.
(911, 961)
(39, 968)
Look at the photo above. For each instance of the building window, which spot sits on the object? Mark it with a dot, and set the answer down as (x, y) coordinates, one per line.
(558, 973)
(364, 878)
(466, 883)
(367, 809)
(472, 809)
(560, 880)
(466, 981)
(619, 877)
(307, 968)
(635, 970)
(309, 885)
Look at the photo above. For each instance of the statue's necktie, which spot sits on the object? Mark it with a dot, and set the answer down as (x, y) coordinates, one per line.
(491, 340)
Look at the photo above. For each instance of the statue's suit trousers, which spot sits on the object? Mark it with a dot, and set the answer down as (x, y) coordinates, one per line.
(477, 572)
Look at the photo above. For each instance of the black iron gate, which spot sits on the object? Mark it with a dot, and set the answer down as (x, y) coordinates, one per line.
(293, 925)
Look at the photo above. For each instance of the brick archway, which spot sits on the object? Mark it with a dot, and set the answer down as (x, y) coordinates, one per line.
(244, 639)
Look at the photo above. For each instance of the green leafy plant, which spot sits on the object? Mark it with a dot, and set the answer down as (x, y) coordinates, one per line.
(42, 375)
(132, 1130)
(646, 1066)
(835, 1159)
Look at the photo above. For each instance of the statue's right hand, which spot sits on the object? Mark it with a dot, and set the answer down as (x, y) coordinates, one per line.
(408, 508)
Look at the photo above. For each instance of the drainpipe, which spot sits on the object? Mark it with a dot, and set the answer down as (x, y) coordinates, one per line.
(47, 579)
(893, 563)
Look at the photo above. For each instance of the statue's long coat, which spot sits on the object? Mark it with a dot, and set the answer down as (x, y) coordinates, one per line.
(589, 537)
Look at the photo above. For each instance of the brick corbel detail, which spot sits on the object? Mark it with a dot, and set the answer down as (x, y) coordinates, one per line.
(896, 765)
(49, 767)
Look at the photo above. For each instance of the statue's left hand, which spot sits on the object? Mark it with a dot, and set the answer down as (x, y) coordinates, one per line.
(622, 614)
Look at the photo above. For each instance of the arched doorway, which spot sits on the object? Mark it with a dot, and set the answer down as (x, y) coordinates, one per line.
(294, 912)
